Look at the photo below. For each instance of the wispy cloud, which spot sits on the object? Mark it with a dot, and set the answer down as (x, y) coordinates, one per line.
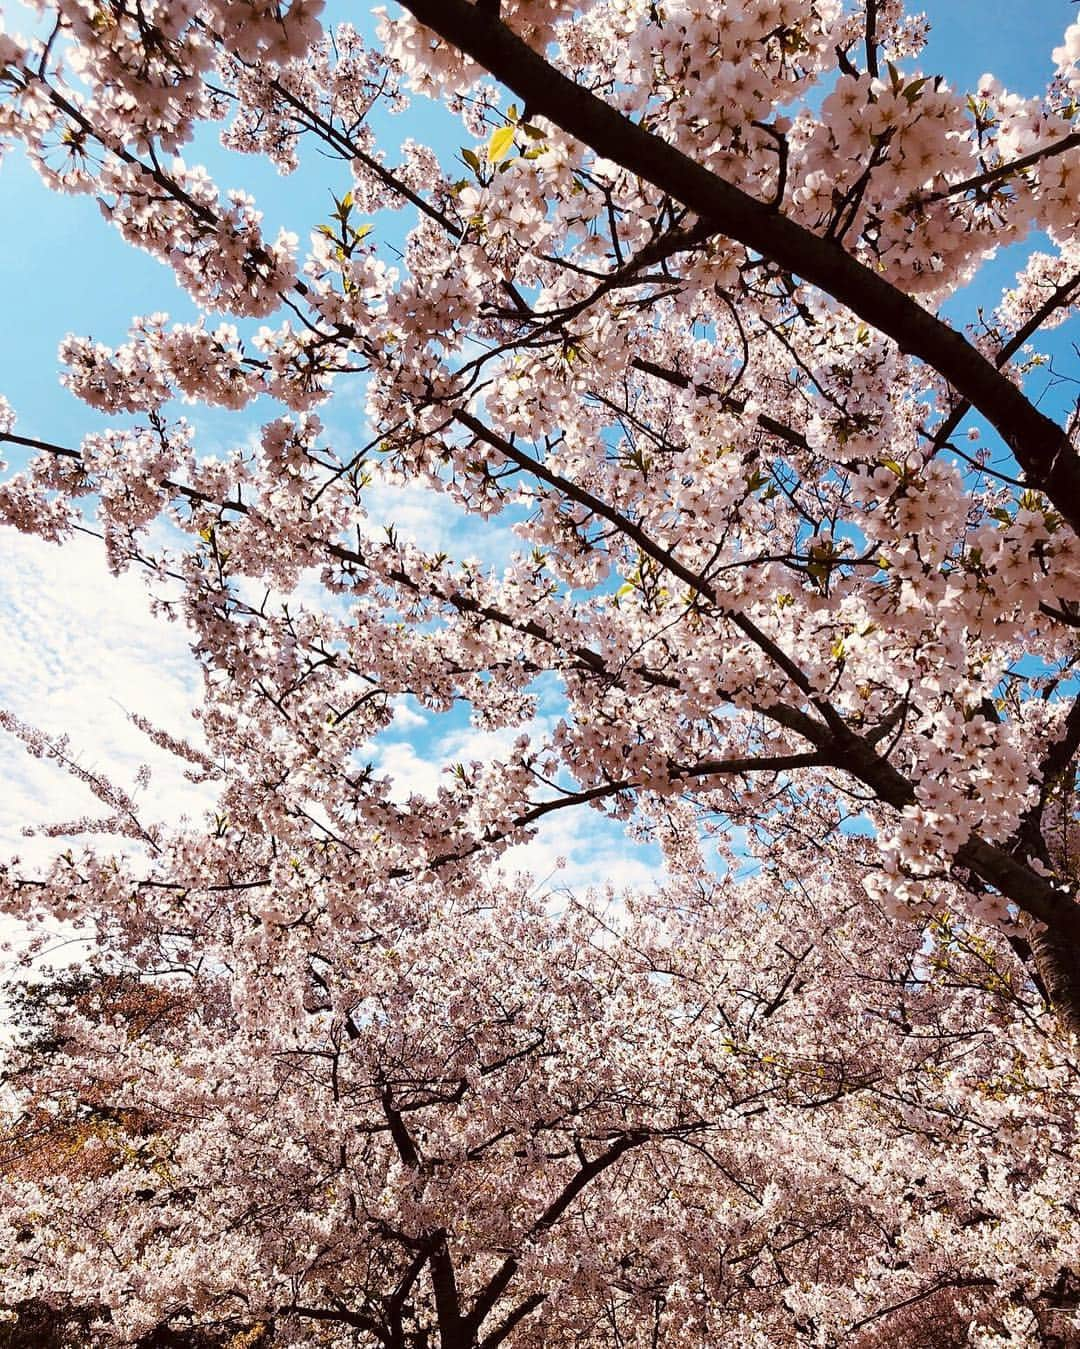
(80, 651)
(434, 521)
(575, 850)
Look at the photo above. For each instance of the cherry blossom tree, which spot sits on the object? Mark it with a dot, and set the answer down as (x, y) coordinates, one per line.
(732, 1114)
(675, 311)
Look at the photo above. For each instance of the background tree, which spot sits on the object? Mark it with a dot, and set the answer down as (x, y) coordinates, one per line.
(736, 1114)
(677, 314)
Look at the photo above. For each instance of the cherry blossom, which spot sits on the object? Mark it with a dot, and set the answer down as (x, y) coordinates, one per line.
(797, 562)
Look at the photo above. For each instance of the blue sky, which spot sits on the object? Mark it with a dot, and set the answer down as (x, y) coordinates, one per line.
(63, 269)
(80, 646)
(1011, 39)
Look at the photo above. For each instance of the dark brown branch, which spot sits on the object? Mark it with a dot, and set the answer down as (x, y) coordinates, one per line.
(937, 1287)
(500, 1281)
(663, 556)
(341, 1316)
(406, 1148)
(1061, 295)
(682, 381)
(1040, 446)
(520, 1312)
(45, 445)
(1062, 752)
(1005, 170)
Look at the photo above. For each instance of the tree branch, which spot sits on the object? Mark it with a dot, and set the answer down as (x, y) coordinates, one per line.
(1040, 446)
(1012, 166)
(499, 1282)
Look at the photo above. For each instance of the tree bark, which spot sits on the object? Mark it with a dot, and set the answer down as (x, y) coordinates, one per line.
(1056, 952)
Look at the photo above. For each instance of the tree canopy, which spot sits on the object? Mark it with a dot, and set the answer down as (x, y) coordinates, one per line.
(798, 556)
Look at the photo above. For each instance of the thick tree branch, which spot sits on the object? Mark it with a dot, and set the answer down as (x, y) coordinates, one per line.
(1061, 295)
(507, 1325)
(1041, 447)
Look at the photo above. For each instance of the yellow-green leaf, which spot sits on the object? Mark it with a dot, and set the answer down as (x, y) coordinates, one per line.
(500, 145)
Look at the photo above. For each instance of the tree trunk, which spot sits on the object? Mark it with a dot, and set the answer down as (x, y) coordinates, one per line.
(1056, 951)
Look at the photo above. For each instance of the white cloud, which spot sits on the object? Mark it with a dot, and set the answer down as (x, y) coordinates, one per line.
(407, 715)
(80, 651)
(574, 849)
(595, 853)
(435, 522)
(409, 772)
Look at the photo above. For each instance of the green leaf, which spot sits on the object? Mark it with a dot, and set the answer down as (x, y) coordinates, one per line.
(471, 158)
(500, 145)
(362, 232)
(911, 93)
